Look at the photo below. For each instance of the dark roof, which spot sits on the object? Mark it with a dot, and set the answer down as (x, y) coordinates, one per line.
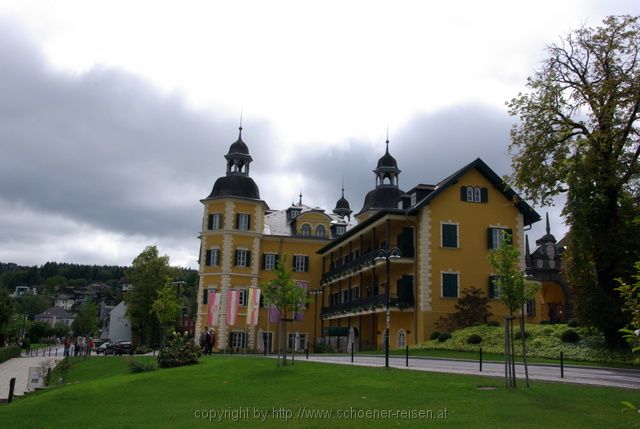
(276, 222)
(342, 203)
(235, 186)
(387, 161)
(382, 197)
(530, 215)
(239, 146)
(58, 312)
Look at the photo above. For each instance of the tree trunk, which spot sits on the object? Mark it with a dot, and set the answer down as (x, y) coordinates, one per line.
(524, 346)
(513, 351)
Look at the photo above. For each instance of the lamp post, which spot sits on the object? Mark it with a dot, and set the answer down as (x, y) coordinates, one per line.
(386, 255)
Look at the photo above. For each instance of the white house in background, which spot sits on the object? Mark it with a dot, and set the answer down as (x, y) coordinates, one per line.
(119, 324)
(24, 290)
(63, 301)
(55, 316)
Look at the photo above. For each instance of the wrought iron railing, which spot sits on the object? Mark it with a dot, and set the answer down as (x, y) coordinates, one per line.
(370, 303)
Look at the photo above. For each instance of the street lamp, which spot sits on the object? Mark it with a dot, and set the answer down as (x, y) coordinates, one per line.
(386, 255)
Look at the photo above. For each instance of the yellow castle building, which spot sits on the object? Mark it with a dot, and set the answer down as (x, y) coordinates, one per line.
(403, 261)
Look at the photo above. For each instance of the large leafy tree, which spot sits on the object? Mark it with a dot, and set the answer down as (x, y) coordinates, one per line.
(149, 272)
(166, 308)
(282, 293)
(578, 134)
(6, 313)
(86, 321)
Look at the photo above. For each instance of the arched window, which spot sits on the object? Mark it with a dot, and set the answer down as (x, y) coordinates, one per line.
(320, 231)
(470, 194)
(305, 230)
(402, 339)
(477, 196)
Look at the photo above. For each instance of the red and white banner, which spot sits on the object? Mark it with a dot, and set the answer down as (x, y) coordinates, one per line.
(233, 299)
(299, 315)
(253, 306)
(214, 308)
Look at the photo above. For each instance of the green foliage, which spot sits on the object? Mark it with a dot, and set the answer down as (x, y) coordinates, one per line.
(472, 308)
(38, 330)
(518, 333)
(630, 295)
(579, 128)
(180, 350)
(6, 313)
(86, 321)
(569, 336)
(166, 306)
(493, 323)
(32, 305)
(474, 339)
(444, 336)
(434, 335)
(10, 352)
(324, 348)
(573, 323)
(149, 272)
(60, 330)
(142, 365)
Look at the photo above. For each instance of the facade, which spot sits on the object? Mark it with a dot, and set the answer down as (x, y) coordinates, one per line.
(118, 323)
(421, 248)
(56, 316)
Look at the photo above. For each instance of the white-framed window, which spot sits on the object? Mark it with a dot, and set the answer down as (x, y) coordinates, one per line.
(269, 261)
(355, 293)
(449, 235)
(297, 341)
(401, 339)
(237, 339)
(267, 339)
(494, 288)
(477, 195)
(300, 263)
(294, 214)
(496, 236)
(242, 258)
(215, 220)
(450, 284)
(340, 229)
(321, 231)
(215, 257)
(242, 297)
(414, 198)
(305, 230)
(243, 221)
(470, 194)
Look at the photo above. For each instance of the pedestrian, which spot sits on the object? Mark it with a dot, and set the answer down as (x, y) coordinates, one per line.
(90, 347)
(67, 345)
(207, 342)
(213, 340)
(203, 339)
(76, 346)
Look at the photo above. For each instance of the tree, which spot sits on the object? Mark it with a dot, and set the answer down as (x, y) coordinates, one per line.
(630, 294)
(284, 294)
(515, 291)
(86, 321)
(471, 309)
(32, 305)
(6, 314)
(149, 272)
(166, 308)
(579, 135)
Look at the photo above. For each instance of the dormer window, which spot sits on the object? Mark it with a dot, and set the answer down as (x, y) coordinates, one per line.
(474, 194)
(340, 229)
(320, 231)
(414, 198)
(294, 213)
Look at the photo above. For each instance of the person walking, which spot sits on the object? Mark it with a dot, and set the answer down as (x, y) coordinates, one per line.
(203, 340)
(213, 340)
(207, 342)
(67, 345)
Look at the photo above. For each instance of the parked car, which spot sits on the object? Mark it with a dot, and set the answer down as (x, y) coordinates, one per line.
(124, 348)
(104, 348)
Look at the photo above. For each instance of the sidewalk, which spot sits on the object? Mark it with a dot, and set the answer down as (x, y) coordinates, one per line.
(19, 368)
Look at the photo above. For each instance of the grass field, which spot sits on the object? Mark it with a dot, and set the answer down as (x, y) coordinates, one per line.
(102, 394)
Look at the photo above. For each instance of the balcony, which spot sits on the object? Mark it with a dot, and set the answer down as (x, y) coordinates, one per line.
(362, 262)
(371, 304)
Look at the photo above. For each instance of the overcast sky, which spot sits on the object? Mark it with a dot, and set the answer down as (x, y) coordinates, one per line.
(115, 116)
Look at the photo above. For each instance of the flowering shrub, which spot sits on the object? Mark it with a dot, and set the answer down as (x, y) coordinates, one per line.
(179, 350)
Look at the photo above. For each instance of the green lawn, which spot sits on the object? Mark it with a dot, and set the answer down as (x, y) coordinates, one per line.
(102, 393)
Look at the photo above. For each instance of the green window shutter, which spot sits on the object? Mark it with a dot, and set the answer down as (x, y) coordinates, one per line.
(492, 287)
(210, 222)
(293, 263)
(205, 296)
(484, 195)
(490, 238)
(463, 193)
(237, 220)
(277, 259)
(248, 222)
(236, 261)
(207, 260)
(264, 260)
(248, 264)
(217, 256)
(306, 263)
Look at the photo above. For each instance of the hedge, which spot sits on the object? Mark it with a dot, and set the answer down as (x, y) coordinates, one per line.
(10, 352)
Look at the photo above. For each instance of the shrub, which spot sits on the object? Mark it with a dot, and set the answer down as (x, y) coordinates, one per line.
(474, 339)
(444, 337)
(180, 350)
(569, 336)
(434, 335)
(527, 334)
(547, 331)
(142, 365)
(10, 352)
(572, 323)
(544, 322)
(143, 350)
(324, 348)
(493, 323)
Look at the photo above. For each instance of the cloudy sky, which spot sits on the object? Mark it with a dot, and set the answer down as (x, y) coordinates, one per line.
(115, 116)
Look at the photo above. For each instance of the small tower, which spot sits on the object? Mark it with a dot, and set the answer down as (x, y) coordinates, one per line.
(238, 158)
(342, 208)
(387, 169)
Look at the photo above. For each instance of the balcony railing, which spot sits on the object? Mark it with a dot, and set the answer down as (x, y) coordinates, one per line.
(355, 265)
(368, 304)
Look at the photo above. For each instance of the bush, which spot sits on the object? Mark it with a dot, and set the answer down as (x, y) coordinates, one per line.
(435, 335)
(474, 339)
(324, 348)
(493, 323)
(569, 336)
(527, 334)
(572, 323)
(142, 365)
(443, 337)
(10, 352)
(143, 350)
(544, 322)
(548, 331)
(180, 350)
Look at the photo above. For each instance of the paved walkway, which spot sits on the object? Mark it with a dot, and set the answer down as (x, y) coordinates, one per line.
(612, 377)
(19, 368)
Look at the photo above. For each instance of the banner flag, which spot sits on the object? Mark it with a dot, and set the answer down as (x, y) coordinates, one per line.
(214, 308)
(299, 315)
(274, 315)
(253, 306)
(233, 299)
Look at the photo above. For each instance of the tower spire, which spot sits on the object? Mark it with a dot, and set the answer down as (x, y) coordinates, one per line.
(300, 200)
(548, 227)
(387, 141)
(240, 127)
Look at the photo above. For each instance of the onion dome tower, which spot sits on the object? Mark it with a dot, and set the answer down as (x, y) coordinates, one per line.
(342, 208)
(386, 193)
(237, 182)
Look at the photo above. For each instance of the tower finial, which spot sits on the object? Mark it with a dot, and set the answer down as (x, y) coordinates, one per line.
(240, 127)
(342, 186)
(548, 227)
(387, 139)
(300, 200)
